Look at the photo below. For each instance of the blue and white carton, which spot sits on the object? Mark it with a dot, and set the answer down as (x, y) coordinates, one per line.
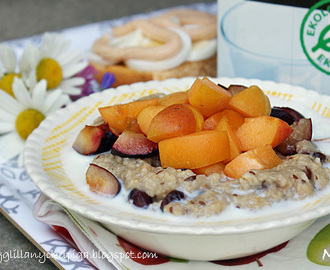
(277, 40)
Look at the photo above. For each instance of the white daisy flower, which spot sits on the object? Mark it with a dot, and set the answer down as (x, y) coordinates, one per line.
(11, 68)
(58, 65)
(21, 114)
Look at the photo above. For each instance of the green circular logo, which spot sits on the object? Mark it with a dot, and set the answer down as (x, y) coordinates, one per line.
(315, 35)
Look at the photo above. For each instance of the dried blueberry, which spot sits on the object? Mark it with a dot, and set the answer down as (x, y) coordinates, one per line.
(140, 198)
(320, 155)
(174, 195)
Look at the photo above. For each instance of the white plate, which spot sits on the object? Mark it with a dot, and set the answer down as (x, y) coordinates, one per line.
(59, 173)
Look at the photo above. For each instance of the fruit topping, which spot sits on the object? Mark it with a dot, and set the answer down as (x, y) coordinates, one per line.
(282, 114)
(302, 130)
(174, 98)
(235, 119)
(262, 157)
(208, 97)
(93, 140)
(146, 115)
(234, 142)
(251, 102)
(236, 88)
(140, 198)
(174, 195)
(210, 128)
(119, 116)
(295, 114)
(287, 114)
(233, 88)
(195, 150)
(208, 170)
(262, 130)
(133, 143)
(175, 120)
(106, 143)
(102, 181)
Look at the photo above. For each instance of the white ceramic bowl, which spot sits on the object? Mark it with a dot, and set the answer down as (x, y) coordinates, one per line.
(59, 173)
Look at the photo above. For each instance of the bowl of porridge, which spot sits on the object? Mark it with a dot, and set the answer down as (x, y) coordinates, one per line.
(192, 211)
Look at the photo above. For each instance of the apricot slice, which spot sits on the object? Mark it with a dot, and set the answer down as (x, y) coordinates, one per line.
(198, 116)
(195, 150)
(120, 115)
(262, 157)
(235, 119)
(146, 115)
(262, 130)
(234, 142)
(251, 102)
(208, 97)
(175, 120)
(212, 121)
(174, 98)
(208, 170)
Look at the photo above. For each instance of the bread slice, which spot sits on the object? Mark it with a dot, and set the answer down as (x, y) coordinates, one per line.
(125, 75)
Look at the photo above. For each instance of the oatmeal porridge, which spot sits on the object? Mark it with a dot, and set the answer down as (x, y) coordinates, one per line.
(299, 176)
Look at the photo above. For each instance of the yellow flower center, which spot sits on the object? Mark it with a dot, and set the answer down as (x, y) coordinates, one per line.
(6, 82)
(27, 121)
(50, 70)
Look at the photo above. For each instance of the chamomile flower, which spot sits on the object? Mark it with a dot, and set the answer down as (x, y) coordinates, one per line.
(58, 65)
(11, 67)
(21, 114)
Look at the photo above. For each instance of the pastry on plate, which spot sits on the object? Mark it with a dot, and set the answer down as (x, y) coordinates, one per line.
(178, 43)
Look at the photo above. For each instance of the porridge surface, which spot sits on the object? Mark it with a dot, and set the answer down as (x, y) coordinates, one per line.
(299, 176)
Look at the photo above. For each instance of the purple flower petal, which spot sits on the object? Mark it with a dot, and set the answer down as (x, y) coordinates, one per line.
(108, 80)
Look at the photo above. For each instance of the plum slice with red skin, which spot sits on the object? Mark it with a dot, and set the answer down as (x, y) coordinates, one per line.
(295, 114)
(234, 88)
(133, 143)
(102, 181)
(94, 139)
(106, 142)
(302, 130)
(286, 114)
(282, 114)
